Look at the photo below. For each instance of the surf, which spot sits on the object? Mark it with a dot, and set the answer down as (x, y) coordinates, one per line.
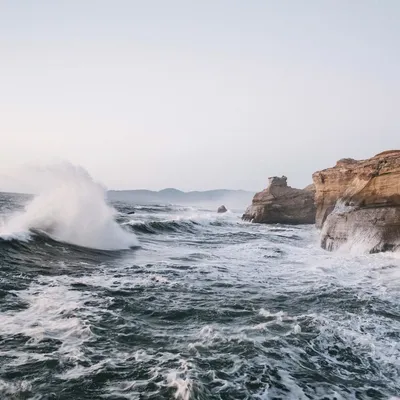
(70, 207)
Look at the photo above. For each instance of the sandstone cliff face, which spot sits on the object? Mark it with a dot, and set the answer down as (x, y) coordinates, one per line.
(280, 203)
(359, 201)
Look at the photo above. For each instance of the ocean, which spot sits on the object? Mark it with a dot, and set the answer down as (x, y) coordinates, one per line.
(178, 302)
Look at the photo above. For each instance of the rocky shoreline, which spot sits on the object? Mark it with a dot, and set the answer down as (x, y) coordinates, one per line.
(358, 203)
(354, 203)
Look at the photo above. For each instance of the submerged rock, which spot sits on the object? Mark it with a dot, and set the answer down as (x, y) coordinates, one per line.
(222, 209)
(358, 203)
(280, 203)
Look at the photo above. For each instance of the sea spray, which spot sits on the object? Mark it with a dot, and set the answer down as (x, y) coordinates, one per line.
(70, 207)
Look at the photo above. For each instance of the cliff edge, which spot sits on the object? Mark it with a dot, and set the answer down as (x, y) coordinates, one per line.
(358, 202)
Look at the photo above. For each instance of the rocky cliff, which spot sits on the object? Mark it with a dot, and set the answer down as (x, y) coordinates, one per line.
(358, 202)
(280, 203)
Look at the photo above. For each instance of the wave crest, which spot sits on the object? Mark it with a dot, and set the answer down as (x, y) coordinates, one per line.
(72, 209)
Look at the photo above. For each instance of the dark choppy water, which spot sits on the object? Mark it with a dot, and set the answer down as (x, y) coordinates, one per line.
(207, 308)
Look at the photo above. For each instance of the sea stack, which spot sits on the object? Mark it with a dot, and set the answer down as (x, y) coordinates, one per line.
(222, 209)
(358, 203)
(282, 204)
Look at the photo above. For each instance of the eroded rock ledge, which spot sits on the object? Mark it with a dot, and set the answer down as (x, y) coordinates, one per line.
(280, 203)
(358, 203)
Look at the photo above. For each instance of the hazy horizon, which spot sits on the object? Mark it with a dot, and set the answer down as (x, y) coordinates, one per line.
(197, 95)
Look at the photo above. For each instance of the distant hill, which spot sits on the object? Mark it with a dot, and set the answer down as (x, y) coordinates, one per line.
(210, 198)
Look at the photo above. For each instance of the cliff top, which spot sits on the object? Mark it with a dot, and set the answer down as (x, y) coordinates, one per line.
(387, 153)
(381, 163)
(277, 181)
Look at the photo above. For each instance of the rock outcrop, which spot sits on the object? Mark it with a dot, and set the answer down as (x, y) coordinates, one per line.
(222, 209)
(358, 203)
(280, 203)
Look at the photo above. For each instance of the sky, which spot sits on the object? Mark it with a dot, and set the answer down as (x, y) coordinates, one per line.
(197, 95)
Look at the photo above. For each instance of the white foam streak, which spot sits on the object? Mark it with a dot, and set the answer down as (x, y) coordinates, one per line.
(13, 390)
(51, 314)
(179, 379)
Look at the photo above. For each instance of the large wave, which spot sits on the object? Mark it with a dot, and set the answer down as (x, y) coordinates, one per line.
(70, 207)
(183, 223)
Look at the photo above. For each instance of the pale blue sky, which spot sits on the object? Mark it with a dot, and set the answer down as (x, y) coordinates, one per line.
(198, 94)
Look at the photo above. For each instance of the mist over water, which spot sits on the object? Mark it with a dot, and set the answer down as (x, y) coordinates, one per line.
(208, 307)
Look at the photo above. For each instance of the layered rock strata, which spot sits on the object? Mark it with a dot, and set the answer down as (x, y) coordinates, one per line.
(280, 203)
(358, 203)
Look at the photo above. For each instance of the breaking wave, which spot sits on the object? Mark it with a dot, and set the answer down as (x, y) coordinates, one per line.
(71, 208)
(173, 225)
